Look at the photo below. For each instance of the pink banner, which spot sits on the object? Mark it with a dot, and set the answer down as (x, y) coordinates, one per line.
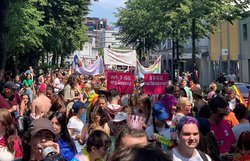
(155, 83)
(123, 82)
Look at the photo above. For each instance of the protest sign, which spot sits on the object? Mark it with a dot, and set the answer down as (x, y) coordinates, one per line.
(155, 83)
(123, 82)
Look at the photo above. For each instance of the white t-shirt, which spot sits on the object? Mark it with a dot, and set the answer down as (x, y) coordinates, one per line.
(197, 157)
(5, 155)
(76, 125)
(232, 104)
(57, 84)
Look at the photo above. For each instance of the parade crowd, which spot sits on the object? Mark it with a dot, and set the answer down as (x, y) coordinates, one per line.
(64, 115)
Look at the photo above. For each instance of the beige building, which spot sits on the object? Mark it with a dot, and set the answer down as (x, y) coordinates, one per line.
(109, 38)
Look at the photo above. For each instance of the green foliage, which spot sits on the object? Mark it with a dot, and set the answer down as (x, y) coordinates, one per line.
(54, 26)
(67, 32)
(101, 52)
(138, 25)
(25, 29)
(157, 20)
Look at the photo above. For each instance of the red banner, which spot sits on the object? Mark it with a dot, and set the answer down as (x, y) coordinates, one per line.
(123, 82)
(155, 83)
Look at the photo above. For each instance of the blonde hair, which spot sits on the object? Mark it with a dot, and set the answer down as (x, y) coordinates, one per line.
(212, 86)
(182, 101)
(87, 85)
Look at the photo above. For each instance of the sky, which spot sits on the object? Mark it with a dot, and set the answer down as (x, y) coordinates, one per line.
(105, 9)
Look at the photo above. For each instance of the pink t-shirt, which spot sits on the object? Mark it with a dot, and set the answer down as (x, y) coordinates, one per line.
(224, 135)
(210, 95)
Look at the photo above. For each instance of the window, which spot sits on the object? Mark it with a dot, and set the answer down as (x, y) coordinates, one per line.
(169, 43)
(244, 31)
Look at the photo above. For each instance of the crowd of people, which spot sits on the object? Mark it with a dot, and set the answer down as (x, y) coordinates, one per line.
(73, 117)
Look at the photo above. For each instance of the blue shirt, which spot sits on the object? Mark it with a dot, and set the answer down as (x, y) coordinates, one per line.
(65, 150)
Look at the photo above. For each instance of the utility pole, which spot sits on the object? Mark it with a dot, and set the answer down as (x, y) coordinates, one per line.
(228, 48)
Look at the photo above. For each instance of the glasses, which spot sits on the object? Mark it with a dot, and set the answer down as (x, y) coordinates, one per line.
(119, 123)
(223, 114)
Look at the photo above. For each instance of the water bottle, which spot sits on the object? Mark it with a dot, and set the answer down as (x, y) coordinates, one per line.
(50, 154)
(20, 124)
(16, 114)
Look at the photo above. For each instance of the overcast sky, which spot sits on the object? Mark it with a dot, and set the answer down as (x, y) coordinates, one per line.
(105, 9)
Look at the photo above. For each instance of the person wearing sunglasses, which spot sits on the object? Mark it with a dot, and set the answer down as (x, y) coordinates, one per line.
(220, 127)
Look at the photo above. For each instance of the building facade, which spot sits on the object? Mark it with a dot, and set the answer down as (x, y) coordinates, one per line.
(109, 38)
(165, 49)
(224, 48)
(244, 49)
(230, 49)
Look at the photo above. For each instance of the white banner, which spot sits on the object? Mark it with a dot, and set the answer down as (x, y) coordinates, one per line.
(94, 69)
(119, 57)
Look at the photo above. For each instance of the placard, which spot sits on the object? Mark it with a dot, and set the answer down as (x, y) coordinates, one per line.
(155, 83)
(123, 82)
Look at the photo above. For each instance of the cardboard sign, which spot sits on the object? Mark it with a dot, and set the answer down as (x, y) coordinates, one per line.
(123, 82)
(155, 83)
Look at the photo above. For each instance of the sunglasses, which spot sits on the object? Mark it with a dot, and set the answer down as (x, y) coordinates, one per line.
(223, 114)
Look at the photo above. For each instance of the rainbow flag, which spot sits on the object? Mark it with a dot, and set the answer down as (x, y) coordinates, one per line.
(92, 98)
(163, 140)
(241, 98)
(248, 104)
(155, 68)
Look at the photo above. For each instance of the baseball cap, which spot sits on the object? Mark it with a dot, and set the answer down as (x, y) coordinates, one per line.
(41, 124)
(120, 116)
(160, 112)
(10, 85)
(78, 105)
(42, 88)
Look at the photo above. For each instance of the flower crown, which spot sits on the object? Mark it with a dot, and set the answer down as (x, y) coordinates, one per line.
(135, 122)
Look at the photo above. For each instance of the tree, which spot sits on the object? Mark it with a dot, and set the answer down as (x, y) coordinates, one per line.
(137, 25)
(67, 32)
(38, 27)
(145, 23)
(3, 30)
(26, 32)
(205, 14)
(174, 19)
